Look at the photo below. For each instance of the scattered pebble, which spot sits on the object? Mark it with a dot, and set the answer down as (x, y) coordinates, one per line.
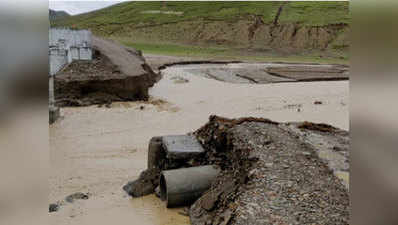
(318, 103)
(78, 195)
(53, 208)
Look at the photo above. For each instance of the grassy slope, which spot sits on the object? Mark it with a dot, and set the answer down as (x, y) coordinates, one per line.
(222, 53)
(116, 19)
(130, 13)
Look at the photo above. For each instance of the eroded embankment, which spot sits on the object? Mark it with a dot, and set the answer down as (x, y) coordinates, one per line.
(114, 74)
(270, 176)
(251, 33)
(271, 173)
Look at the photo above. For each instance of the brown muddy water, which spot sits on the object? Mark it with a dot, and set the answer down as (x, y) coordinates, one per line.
(98, 150)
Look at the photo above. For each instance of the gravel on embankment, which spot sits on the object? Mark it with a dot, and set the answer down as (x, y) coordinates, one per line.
(271, 176)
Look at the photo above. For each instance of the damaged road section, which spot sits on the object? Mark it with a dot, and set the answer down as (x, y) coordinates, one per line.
(261, 73)
(271, 175)
(115, 74)
(264, 172)
(310, 72)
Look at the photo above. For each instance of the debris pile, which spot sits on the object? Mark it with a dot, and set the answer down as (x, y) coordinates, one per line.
(116, 73)
(165, 153)
(271, 176)
(270, 173)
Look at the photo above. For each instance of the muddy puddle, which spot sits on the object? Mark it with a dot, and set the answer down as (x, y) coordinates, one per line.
(148, 210)
(153, 210)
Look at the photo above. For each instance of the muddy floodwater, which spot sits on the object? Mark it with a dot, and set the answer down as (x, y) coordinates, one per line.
(97, 150)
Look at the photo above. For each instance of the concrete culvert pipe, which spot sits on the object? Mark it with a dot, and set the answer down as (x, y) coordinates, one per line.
(182, 187)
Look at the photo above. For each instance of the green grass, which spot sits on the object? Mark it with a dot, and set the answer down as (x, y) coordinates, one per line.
(227, 53)
(316, 13)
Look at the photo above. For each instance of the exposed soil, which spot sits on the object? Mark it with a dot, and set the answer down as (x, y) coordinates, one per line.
(115, 74)
(317, 126)
(252, 34)
(270, 176)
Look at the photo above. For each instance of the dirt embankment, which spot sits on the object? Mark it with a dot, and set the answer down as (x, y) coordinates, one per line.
(270, 176)
(116, 73)
(250, 33)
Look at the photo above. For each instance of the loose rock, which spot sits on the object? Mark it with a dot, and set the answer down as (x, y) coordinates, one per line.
(53, 208)
(76, 196)
(144, 185)
(317, 103)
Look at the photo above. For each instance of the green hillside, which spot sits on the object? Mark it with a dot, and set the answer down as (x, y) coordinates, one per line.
(301, 26)
(133, 13)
